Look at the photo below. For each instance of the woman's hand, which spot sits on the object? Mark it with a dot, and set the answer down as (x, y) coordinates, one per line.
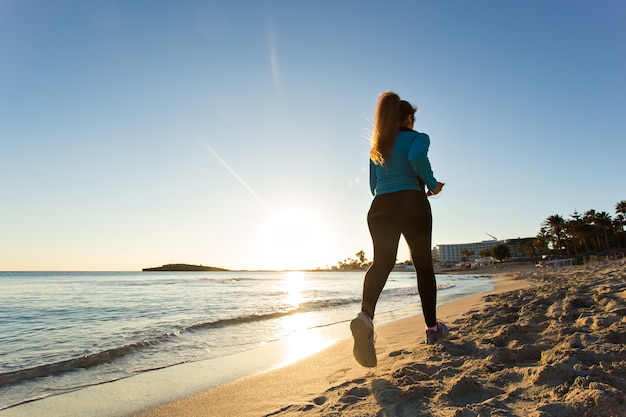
(436, 190)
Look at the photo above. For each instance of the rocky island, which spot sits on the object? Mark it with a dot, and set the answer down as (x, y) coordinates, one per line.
(183, 267)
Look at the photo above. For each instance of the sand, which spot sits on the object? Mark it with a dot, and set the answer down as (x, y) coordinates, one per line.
(545, 342)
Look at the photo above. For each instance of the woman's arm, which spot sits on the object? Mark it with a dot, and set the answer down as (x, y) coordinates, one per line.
(418, 158)
(373, 178)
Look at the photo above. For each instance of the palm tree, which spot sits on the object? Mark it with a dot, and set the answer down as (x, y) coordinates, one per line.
(360, 255)
(466, 255)
(500, 252)
(572, 231)
(580, 231)
(541, 241)
(620, 209)
(604, 222)
(556, 227)
(529, 249)
(618, 221)
(590, 232)
(590, 219)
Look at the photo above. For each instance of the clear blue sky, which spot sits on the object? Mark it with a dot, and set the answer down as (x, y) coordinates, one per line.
(235, 133)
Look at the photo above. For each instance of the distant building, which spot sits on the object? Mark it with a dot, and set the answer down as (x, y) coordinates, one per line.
(481, 262)
(519, 247)
(451, 254)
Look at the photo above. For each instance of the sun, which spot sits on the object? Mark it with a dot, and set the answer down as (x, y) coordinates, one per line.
(294, 238)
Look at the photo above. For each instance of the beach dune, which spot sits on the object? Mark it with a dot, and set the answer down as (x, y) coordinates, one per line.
(549, 342)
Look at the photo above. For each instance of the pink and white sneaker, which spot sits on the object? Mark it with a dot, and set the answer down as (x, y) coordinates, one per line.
(434, 336)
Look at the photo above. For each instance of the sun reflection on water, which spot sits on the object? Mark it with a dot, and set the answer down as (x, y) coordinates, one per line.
(302, 339)
(293, 284)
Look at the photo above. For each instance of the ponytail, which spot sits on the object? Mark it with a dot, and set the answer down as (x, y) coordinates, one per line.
(390, 113)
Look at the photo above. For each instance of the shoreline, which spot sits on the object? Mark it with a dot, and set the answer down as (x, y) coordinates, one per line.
(251, 395)
(543, 342)
(150, 389)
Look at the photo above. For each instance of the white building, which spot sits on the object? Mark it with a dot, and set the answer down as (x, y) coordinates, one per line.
(451, 254)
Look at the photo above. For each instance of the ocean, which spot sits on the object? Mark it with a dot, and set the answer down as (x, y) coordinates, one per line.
(62, 331)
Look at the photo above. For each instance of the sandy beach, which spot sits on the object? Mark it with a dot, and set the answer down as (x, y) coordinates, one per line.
(545, 342)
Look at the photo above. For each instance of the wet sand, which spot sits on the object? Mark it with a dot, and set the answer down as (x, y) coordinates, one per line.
(545, 342)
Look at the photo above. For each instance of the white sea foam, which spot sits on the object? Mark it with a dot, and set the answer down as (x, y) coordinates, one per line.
(62, 331)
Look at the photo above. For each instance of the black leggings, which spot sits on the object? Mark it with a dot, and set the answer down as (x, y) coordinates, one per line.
(404, 213)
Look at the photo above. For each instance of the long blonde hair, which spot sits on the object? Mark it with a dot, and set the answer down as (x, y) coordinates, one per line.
(388, 117)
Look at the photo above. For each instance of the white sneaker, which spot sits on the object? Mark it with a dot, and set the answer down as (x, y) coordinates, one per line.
(364, 352)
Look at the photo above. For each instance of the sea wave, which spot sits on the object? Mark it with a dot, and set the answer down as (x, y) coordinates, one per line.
(82, 362)
(112, 354)
(109, 355)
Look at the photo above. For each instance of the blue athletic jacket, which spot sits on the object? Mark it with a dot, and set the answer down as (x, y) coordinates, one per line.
(407, 162)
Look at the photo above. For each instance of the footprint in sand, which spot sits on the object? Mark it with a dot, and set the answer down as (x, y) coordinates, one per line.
(354, 395)
(337, 375)
(467, 390)
(385, 392)
(399, 353)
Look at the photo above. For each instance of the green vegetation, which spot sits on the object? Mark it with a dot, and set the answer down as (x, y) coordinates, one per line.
(359, 264)
(500, 252)
(582, 234)
(351, 264)
(466, 254)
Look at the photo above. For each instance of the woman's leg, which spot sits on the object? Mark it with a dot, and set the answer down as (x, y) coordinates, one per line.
(385, 232)
(418, 234)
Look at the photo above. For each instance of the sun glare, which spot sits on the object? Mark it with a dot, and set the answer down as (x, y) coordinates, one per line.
(303, 343)
(292, 285)
(294, 239)
(301, 338)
